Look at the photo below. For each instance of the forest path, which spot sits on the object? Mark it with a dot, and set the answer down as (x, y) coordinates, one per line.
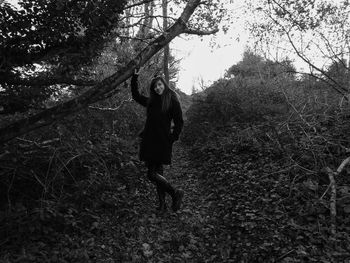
(149, 236)
(237, 208)
(229, 214)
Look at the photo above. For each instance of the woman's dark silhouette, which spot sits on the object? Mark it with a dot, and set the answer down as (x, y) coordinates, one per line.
(157, 137)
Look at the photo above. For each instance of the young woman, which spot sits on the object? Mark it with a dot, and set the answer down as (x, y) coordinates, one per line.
(157, 138)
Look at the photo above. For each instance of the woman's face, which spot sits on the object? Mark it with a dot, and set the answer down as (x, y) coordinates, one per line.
(159, 87)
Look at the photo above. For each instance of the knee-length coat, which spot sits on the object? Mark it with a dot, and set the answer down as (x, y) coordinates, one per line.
(157, 138)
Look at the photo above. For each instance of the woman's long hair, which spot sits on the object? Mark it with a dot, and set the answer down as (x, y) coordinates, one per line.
(166, 96)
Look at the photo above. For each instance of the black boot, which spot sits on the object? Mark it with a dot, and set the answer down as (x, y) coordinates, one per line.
(159, 180)
(177, 199)
(165, 187)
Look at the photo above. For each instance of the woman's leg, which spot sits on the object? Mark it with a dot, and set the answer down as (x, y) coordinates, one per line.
(160, 191)
(155, 175)
(161, 198)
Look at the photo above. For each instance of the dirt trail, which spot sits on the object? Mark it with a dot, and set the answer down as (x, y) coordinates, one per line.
(168, 237)
(236, 209)
(228, 215)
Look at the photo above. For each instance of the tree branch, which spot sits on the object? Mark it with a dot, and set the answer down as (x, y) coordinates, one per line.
(200, 32)
(338, 87)
(137, 4)
(333, 199)
(111, 109)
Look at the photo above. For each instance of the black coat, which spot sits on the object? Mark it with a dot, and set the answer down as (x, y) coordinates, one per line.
(157, 138)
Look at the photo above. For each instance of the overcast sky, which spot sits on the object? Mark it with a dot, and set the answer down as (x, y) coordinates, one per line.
(200, 60)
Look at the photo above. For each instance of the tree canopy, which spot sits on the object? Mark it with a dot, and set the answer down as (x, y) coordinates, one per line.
(61, 33)
(253, 65)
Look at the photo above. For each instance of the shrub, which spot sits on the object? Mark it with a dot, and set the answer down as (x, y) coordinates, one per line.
(228, 101)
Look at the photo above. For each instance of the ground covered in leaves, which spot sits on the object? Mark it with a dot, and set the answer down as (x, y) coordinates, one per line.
(239, 206)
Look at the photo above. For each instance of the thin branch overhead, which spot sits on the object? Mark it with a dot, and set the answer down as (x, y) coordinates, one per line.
(201, 32)
(138, 4)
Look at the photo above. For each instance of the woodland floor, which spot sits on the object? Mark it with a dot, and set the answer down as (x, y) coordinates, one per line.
(237, 208)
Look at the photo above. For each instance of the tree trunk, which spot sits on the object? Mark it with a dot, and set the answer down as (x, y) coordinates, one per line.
(102, 90)
(166, 48)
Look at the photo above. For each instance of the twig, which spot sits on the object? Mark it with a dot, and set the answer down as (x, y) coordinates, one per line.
(332, 205)
(47, 182)
(64, 166)
(111, 109)
(38, 179)
(9, 189)
(333, 200)
(286, 254)
(31, 142)
(325, 192)
(137, 4)
(342, 165)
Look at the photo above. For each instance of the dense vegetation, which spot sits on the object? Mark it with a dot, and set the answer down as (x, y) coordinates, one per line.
(256, 157)
(283, 133)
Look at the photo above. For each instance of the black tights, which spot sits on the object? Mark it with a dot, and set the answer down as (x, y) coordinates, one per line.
(155, 175)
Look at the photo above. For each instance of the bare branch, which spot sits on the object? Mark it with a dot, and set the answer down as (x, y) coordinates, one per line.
(200, 32)
(342, 165)
(137, 4)
(338, 87)
(341, 90)
(333, 199)
(111, 109)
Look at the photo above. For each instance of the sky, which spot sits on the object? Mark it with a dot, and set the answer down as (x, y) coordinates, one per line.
(199, 60)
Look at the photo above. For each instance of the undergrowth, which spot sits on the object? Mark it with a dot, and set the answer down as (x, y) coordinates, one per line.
(290, 148)
(55, 183)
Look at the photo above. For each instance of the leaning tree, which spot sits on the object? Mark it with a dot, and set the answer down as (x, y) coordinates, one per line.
(45, 45)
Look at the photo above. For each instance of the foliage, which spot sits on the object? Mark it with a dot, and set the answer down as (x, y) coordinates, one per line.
(276, 114)
(24, 98)
(54, 172)
(339, 71)
(266, 208)
(282, 155)
(254, 66)
(51, 174)
(36, 28)
(50, 41)
(251, 96)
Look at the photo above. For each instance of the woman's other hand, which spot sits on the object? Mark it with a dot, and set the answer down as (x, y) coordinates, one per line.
(137, 71)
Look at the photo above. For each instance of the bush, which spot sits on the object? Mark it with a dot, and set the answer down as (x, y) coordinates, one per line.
(305, 124)
(227, 101)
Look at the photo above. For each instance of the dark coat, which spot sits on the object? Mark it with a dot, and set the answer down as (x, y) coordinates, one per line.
(157, 138)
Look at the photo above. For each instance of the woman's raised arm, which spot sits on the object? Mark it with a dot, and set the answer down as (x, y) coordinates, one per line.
(135, 91)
